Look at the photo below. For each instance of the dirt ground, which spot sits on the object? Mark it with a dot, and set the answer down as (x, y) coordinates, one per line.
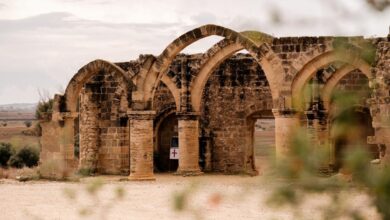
(210, 197)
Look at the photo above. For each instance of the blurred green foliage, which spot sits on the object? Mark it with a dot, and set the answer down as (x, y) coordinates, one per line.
(5, 153)
(44, 109)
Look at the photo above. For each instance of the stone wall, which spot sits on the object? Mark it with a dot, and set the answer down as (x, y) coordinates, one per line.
(356, 83)
(236, 93)
(235, 90)
(296, 51)
(104, 138)
(380, 101)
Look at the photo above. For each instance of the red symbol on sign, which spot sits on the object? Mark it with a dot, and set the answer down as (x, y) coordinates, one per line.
(174, 152)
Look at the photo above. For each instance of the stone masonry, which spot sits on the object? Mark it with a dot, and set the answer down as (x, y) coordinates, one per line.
(112, 116)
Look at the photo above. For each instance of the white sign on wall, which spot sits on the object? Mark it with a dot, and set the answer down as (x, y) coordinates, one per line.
(174, 153)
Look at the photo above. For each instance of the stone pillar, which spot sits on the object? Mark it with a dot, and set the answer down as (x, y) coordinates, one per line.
(141, 145)
(381, 124)
(68, 140)
(380, 100)
(286, 124)
(57, 144)
(188, 144)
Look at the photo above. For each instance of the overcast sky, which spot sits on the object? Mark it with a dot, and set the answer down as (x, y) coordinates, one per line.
(44, 42)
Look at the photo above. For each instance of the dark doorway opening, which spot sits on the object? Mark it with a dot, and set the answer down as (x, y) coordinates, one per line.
(357, 124)
(166, 139)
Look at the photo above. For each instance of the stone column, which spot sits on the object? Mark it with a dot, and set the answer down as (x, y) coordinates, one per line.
(141, 145)
(381, 124)
(286, 124)
(188, 144)
(57, 144)
(68, 140)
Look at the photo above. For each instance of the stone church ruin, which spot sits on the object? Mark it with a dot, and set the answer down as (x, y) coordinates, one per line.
(123, 118)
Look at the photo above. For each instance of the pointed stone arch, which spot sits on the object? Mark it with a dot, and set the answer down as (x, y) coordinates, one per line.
(332, 82)
(224, 49)
(81, 77)
(309, 69)
(157, 71)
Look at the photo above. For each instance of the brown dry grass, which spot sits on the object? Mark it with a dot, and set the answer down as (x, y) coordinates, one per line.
(12, 133)
(21, 115)
(15, 174)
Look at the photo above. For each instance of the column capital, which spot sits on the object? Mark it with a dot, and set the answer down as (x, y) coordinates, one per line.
(188, 115)
(141, 115)
(284, 113)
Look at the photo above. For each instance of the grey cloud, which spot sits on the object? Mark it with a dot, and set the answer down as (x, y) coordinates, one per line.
(89, 1)
(57, 20)
(204, 18)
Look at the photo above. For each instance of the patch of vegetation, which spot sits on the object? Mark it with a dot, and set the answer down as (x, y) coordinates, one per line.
(28, 123)
(257, 37)
(363, 48)
(27, 156)
(86, 172)
(5, 153)
(44, 109)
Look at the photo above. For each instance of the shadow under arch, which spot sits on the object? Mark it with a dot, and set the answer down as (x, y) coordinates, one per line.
(356, 125)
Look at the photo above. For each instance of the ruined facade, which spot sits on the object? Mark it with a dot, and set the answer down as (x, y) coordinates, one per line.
(122, 118)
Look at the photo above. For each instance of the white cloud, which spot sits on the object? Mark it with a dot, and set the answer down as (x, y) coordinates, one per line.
(43, 43)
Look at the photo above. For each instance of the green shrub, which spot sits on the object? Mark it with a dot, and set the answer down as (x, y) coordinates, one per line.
(5, 153)
(44, 109)
(16, 161)
(27, 156)
(28, 123)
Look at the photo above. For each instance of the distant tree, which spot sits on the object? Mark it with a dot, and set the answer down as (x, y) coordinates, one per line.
(28, 123)
(27, 156)
(4, 124)
(379, 5)
(5, 153)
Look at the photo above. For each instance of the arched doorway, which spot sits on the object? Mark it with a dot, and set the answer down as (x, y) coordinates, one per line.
(261, 126)
(350, 129)
(167, 137)
(234, 92)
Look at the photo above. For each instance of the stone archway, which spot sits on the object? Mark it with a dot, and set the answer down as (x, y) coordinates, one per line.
(219, 53)
(336, 77)
(86, 72)
(358, 121)
(99, 96)
(167, 135)
(165, 129)
(230, 95)
(157, 71)
(309, 69)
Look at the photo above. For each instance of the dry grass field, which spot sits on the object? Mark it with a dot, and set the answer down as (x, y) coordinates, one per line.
(16, 115)
(12, 133)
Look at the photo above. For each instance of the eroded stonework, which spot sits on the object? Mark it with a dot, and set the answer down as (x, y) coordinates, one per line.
(122, 118)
